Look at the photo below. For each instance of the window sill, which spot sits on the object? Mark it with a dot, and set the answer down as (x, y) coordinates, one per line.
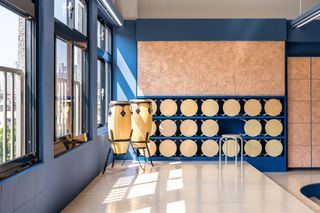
(17, 166)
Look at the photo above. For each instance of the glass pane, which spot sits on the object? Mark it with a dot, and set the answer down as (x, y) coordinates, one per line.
(98, 34)
(79, 65)
(108, 89)
(80, 12)
(99, 93)
(101, 36)
(61, 10)
(108, 40)
(63, 84)
(12, 59)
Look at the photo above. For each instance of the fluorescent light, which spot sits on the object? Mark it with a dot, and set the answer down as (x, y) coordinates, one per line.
(112, 13)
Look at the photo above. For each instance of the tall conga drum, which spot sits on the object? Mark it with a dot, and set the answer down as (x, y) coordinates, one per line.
(141, 122)
(119, 124)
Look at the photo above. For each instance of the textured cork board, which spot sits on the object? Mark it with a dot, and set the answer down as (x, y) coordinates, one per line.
(210, 68)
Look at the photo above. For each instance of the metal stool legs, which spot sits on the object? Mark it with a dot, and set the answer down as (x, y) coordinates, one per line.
(225, 139)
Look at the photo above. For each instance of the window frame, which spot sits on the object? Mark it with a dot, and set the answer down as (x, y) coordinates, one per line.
(79, 40)
(106, 59)
(30, 123)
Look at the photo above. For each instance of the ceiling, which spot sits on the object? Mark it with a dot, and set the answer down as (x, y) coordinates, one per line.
(196, 9)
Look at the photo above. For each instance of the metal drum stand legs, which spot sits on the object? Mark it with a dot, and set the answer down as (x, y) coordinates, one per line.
(136, 146)
(226, 139)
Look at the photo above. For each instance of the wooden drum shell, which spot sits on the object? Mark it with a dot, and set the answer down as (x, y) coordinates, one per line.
(168, 107)
(253, 128)
(168, 128)
(119, 126)
(253, 148)
(252, 107)
(210, 107)
(274, 148)
(210, 148)
(231, 107)
(188, 148)
(168, 148)
(273, 107)
(189, 107)
(188, 128)
(141, 121)
(210, 128)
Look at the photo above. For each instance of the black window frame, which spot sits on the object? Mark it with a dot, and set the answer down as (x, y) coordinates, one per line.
(31, 157)
(106, 58)
(76, 39)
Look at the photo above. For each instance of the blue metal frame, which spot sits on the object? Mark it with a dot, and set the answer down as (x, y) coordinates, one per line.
(263, 163)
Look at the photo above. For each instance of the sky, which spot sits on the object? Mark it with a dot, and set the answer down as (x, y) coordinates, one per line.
(8, 38)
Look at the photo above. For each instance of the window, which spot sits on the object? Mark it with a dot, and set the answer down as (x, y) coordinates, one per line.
(17, 89)
(72, 13)
(104, 72)
(71, 76)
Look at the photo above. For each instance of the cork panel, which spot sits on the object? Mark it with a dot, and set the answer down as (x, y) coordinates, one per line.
(298, 67)
(316, 134)
(210, 68)
(213, 70)
(315, 156)
(299, 134)
(298, 112)
(299, 156)
(259, 68)
(316, 89)
(161, 73)
(315, 112)
(298, 90)
(315, 67)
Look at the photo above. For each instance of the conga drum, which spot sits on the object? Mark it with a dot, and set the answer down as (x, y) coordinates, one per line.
(168, 107)
(210, 148)
(188, 148)
(119, 126)
(253, 148)
(152, 147)
(210, 107)
(189, 107)
(154, 107)
(273, 107)
(274, 127)
(188, 128)
(168, 128)
(228, 148)
(253, 128)
(231, 107)
(141, 122)
(252, 107)
(274, 148)
(168, 148)
(153, 128)
(209, 128)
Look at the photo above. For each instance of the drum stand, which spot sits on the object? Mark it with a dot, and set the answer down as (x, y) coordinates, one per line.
(144, 150)
(110, 149)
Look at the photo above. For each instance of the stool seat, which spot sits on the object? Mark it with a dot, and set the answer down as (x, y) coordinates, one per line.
(231, 136)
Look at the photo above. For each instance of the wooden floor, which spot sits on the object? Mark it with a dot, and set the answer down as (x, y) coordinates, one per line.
(179, 187)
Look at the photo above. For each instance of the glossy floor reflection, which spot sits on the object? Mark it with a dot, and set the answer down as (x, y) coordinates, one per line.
(179, 187)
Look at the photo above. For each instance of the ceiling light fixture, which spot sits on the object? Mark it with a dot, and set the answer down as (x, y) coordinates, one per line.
(307, 17)
(112, 13)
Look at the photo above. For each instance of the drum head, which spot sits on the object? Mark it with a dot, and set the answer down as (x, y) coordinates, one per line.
(168, 128)
(154, 107)
(253, 148)
(231, 107)
(168, 107)
(274, 148)
(188, 148)
(152, 148)
(253, 127)
(188, 128)
(252, 107)
(273, 107)
(228, 148)
(210, 107)
(210, 128)
(209, 148)
(153, 128)
(274, 127)
(168, 148)
(189, 107)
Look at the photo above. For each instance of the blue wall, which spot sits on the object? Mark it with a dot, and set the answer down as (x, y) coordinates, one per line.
(53, 183)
